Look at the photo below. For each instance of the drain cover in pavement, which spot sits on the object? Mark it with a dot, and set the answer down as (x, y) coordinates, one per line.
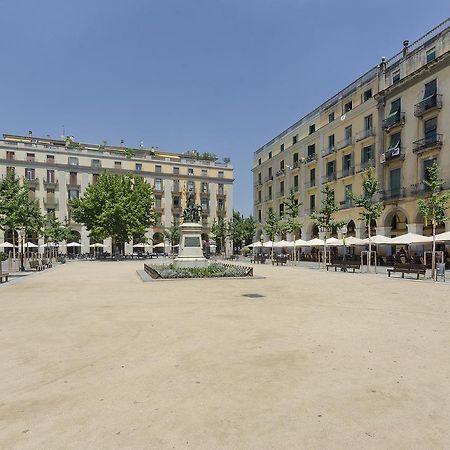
(252, 295)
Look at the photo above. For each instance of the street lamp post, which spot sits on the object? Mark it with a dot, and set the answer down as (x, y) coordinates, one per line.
(344, 232)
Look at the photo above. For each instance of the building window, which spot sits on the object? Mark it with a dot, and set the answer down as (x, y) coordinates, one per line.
(346, 164)
(158, 184)
(430, 130)
(367, 157)
(312, 177)
(220, 204)
(73, 161)
(269, 172)
(29, 174)
(348, 198)
(95, 163)
(158, 201)
(259, 161)
(348, 106)
(190, 171)
(204, 204)
(259, 196)
(220, 174)
(190, 186)
(367, 95)
(73, 178)
(117, 164)
(282, 164)
(331, 142)
(50, 159)
(311, 150)
(368, 123)
(30, 157)
(10, 170)
(176, 185)
(95, 177)
(270, 155)
(259, 178)
(138, 167)
(205, 188)
(73, 193)
(312, 128)
(281, 147)
(431, 55)
(176, 201)
(10, 156)
(158, 169)
(50, 176)
(331, 168)
(294, 139)
(395, 76)
(176, 171)
(269, 192)
(331, 117)
(312, 202)
(295, 159)
(296, 183)
(220, 190)
(281, 187)
(204, 173)
(259, 216)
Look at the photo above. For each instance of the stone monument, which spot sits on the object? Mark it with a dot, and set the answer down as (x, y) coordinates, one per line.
(190, 252)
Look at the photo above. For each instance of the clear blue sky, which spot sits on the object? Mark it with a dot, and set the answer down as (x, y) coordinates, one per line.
(223, 76)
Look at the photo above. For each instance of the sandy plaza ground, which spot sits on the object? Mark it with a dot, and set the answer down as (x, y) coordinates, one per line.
(92, 357)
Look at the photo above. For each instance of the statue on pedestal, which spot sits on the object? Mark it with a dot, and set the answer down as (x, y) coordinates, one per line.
(191, 214)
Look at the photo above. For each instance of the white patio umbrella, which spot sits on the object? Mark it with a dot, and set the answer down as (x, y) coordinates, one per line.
(378, 240)
(443, 237)
(7, 245)
(314, 242)
(334, 242)
(160, 245)
(49, 244)
(300, 243)
(352, 240)
(256, 245)
(411, 238)
(267, 244)
(30, 245)
(141, 245)
(74, 244)
(283, 244)
(97, 245)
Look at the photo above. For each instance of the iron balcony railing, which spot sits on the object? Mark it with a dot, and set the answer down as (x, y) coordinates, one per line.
(328, 151)
(268, 198)
(310, 158)
(269, 178)
(345, 143)
(391, 154)
(393, 120)
(346, 204)
(280, 172)
(50, 183)
(428, 142)
(428, 104)
(280, 194)
(364, 134)
(393, 194)
(329, 177)
(347, 172)
(310, 184)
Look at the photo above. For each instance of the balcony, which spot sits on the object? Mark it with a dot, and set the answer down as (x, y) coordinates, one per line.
(364, 134)
(393, 194)
(72, 185)
(268, 198)
(394, 120)
(347, 142)
(50, 184)
(346, 204)
(392, 154)
(280, 194)
(370, 163)
(281, 173)
(330, 177)
(32, 182)
(311, 158)
(160, 189)
(295, 165)
(310, 184)
(428, 104)
(328, 151)
(51, 202)
(347, 172)
(431, 142)
(268, 178)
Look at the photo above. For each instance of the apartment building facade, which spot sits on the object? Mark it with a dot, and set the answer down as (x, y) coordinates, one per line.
(60, 170)
(395, 118)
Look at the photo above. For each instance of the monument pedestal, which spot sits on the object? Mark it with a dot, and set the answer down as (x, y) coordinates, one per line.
(190, 253)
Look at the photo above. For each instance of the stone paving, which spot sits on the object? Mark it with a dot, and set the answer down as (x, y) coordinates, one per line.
(91, 357)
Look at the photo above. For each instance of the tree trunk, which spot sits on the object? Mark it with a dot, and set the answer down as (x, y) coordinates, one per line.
(370, 250)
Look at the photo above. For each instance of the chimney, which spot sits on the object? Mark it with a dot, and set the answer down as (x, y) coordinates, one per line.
(405, 47)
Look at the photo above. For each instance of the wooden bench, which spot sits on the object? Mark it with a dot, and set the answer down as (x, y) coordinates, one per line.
(415, 269)
(344, 265)
(278, 259)
(4, 275)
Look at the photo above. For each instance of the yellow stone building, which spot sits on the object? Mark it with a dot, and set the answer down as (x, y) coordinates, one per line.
(395, 117)
(58, 170)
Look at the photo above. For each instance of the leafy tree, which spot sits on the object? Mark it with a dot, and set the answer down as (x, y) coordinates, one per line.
(240, 230)
(323, 218)
(248, 230)
(55, 231)
(434, 208)
(172, 234)
(219, 231)
(292, 224)
(116, 206)
(129, 153)
(274, 226)
(371, 210)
